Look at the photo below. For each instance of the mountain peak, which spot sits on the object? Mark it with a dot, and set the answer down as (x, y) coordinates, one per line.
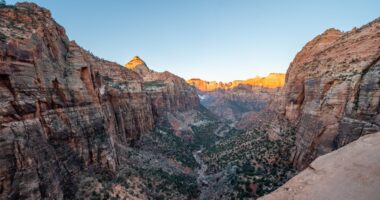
(138, 65)
(317, 45)
(135, 62)
(332, 31)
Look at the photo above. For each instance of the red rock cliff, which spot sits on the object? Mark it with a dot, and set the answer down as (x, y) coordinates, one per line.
(166, 91)
(273, 80)
(63, 110)
(332, 92)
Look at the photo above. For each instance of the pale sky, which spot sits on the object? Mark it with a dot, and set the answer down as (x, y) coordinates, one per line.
(219, 40)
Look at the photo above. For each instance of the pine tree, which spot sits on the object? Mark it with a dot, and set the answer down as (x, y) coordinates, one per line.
(2, 3)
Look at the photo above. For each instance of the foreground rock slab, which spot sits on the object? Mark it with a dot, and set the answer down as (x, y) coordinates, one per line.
(351, 172)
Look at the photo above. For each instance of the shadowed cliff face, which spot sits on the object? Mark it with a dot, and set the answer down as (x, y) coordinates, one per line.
(331, 95)
(64, 111)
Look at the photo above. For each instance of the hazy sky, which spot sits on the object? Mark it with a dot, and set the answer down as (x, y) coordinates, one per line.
(209, 39)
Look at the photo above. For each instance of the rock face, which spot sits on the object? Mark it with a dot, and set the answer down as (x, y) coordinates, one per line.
(167, 92)
(351, 173)
(138, 65)
(238, 101)
(331, 96)
(273, 80)
(64, 111)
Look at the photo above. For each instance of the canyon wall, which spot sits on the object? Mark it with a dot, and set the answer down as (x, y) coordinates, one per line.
(332, 91)
(167, 92)
(65, 112)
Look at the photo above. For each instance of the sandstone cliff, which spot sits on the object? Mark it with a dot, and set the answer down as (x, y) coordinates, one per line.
(64, 112)
(331, 95)
(166, 91)
(273, 80)
(350, 173)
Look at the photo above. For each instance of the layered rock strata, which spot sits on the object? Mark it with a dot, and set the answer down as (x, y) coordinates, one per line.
(64, 111)
(166, 91)
(332, 92)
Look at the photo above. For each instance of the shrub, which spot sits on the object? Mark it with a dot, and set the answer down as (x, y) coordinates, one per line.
(3, 37)
(157, 83)
(107, 78)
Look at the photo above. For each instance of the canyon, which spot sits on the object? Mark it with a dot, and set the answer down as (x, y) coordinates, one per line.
(239, 100)
(67, 115)
(75, 126)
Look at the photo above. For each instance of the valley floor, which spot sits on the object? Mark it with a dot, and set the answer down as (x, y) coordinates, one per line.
(200, 158)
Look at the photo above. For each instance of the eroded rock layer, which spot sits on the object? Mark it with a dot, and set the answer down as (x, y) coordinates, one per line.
(332, 92)
(166, 91)
(64, 111)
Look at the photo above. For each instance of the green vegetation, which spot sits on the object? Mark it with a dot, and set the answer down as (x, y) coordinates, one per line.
(242, 107)
(185, 184)
(238, 106)
(3, 37)
(157, 83)
(262, 164)
(207, 114)
(163, 139)
(162, 184)
(151, 159)
(107, 78)
(204, 135)
(167, 143)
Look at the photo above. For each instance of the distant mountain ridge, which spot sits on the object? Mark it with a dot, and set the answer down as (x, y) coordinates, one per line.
(273, 80)
(233, 100)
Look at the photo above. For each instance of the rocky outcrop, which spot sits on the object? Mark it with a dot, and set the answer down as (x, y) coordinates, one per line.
(332, 92)
(166, 91)
(64, 112)
(273, 80)
(350, 173)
